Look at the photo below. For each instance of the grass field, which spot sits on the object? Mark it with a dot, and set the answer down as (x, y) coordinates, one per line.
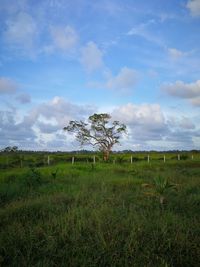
(100, 215)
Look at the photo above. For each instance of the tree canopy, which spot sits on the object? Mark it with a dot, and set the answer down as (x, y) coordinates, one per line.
(99, 132)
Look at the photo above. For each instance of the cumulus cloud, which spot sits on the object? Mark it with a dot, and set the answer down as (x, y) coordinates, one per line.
(21, 31)
(148, 116)
(125, 80)
(64, 38)
(182, 122)
(41, 124)
(194, 7)
(91, 57)
(23, 98)
(15, 133)
(190, 91)
(195, 101)
(186, 123)
(62, 111)
(47, 128)
(7, 86)
(150, 128)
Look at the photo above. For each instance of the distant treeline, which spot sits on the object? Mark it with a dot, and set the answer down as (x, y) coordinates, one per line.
(83, 151)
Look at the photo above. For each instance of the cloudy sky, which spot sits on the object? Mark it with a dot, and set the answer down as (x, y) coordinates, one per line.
(138, 60)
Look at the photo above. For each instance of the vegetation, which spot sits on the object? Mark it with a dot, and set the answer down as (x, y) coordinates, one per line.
(89, 214)
(97, 132)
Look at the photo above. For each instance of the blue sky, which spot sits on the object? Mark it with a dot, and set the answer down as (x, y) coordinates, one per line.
(62, 60)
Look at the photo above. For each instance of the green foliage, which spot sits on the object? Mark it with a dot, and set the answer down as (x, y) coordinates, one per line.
(160, 188)
(162, 185)
(98, 132)
(32, 178)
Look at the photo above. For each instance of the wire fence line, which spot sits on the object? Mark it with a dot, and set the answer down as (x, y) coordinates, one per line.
(11, 160)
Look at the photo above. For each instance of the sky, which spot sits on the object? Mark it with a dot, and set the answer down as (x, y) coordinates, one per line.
(63, 60)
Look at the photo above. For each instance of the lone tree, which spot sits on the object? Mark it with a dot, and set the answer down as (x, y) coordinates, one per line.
(98, 132)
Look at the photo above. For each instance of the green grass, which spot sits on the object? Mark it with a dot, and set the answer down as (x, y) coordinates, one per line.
(99, 215)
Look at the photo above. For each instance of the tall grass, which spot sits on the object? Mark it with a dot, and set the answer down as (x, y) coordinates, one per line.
(98, 215)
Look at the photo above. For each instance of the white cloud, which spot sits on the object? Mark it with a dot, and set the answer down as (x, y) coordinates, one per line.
(190, 91)
(15, 133)
(150, 128)
(21, 31)
(146, 115)
(124, 81)
(91, 57)
(194, 7)
(64, 38)
(186, 123)
(7, 86)
(41, 125)
(142, 30)
(175, 53)
(195, 101)
(62, 111)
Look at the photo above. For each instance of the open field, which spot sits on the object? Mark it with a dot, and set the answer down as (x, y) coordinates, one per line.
(100, 215)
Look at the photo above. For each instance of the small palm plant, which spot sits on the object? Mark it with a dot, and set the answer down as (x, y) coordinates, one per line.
(159, 188)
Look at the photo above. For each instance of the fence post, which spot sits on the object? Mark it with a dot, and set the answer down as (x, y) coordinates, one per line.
(178, 156)
(21, 162)
(131, 159)
(72, 160)
(192, 157)
(48, 160)
(164, 158)
(148, 158)
(94, 160)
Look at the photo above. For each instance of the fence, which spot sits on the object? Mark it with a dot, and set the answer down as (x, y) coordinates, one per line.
(13, 160)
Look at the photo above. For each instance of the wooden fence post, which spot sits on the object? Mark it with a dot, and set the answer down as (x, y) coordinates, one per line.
(178, 156)
(21, 162)
(148, 158)
(192, 157)
(131, 159)
(72, 160)
(94, 160)
(48, 160)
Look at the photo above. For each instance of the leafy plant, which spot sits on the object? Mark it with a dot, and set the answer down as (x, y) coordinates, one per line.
(159, 188)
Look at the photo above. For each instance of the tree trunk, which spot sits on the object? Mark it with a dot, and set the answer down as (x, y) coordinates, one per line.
(106, 155)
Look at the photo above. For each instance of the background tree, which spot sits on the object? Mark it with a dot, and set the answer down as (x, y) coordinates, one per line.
(10, 149)
(99, 132)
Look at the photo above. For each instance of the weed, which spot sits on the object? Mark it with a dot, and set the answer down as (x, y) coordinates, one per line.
(32, 178)
(54, 173)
